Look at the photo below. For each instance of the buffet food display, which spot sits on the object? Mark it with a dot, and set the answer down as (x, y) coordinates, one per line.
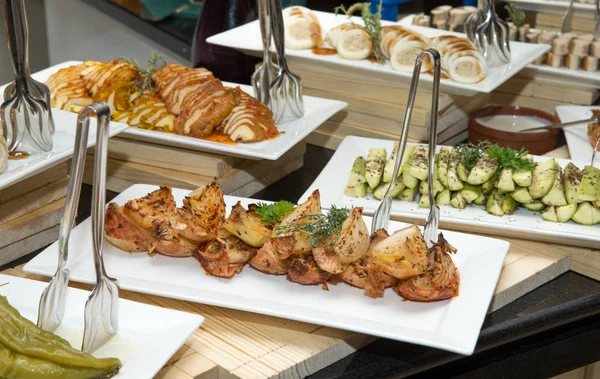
(501, 179)
(301, 242)
(166, 97)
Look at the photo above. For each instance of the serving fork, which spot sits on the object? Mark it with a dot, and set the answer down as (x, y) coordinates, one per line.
(489, 33)
(286, 88)
(101, 308)
(381, 217)
(263, 76)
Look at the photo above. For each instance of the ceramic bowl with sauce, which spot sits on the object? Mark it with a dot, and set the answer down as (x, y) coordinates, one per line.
(503, 125)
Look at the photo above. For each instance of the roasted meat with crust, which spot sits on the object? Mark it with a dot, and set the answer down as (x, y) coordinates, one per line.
(402, 255)
(246, 225)
(304, 270)
(224, 256)
(203, 213)
(147, 111)
(351, 244)
(123, 232)
(111, 82)
(363, 274)
(249, 121)
(267, 260)
(175, 82)
(68, 90)
(157, 205)
(440, 283)
(168, 240)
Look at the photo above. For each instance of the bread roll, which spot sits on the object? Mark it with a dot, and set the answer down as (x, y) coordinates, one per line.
(302, 28)
(351, 41)
(513, 31)
(560, 46)
(595, 49)
(589, 63)
(440, 14)
(425, 21)
(554, 60)
(547, 38)
(572, 62)
(579, 47)
(523, 30)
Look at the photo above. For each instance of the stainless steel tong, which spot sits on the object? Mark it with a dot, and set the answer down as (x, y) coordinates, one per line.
(28, 123)
(263, 76)
(286, 87)
(565, 25)
(101, 309)
(489, 33)
(594, 120)
(381, 217)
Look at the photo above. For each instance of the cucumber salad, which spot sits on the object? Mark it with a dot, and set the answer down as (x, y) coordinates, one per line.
(500, 179)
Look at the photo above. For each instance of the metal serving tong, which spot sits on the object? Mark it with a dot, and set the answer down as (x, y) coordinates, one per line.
(28, 123)
(489, 33)
(101, 308)
(286, 88)
(381, 217)
(594, 120)
(263, 76)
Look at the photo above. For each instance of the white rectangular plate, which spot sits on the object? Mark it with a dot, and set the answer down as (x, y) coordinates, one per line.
(451, 325)
(247, 38)
(64, 140)
(475, 219)
(584, 78)
(553, 6)
(148, 336)
(577, 136)
(317, 111)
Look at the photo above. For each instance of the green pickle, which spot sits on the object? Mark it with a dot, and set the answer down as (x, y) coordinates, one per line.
(27, 352)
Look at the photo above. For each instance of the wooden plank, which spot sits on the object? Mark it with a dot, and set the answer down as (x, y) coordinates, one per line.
(549, 106)
(28, 245)
(548, 89)
(31, 223)
(174, 158)
(33, 200)
(39, 180)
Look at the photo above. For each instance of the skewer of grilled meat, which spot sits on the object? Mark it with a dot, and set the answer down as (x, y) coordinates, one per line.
(440, 283)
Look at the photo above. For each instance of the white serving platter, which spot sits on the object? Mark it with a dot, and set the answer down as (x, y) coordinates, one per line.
(247, 39)
(581, 77)
(473, 219)
(552, 6)
(576, 135)
(64, 141)
(452, 325)
(148, 336)
(317, 111)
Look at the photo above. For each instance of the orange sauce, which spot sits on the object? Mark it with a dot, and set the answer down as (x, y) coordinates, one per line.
(442, 75)
(323, 51)
(17, 155)
(220, 138)
(372, 59)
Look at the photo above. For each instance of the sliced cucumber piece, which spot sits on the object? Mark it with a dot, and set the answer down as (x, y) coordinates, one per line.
(556, 196)
(550, 214)
(417, 165)
(454, 182)
(522, 177)
(442, 166)
(488, 187)
(589, 190)
(566, 212)
(521, 194)
(505, 182)
(357, 184)
(484, 170)
(374, 166)
(457, 201)
(494, 203)
(535, 205)
(424, 202)
(409, 180)
(407, 194)
(389, 165)
(480, 200)
(443, 197)
(470, 193)
(509, 205)
(586, 214)
(571, 182)
(463, 172)
(542, 179)
(380, 191)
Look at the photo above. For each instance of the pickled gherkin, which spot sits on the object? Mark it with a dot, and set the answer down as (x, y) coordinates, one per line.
(27, 351)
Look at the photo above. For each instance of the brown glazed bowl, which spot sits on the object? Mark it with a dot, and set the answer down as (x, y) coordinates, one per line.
(536, 143)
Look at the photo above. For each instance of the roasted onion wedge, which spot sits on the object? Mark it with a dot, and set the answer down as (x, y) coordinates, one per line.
(363, 274)
(304, 270)
(123, 232)
(441, 283)
(157, 205)
(247, 226)
(267, 260)
(351, 244)
(203, 213)
(224, 256)
(169, 242)
(299, 216)
(403, 254)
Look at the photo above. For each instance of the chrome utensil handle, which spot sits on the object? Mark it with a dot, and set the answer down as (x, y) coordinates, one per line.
(597, 18)
(17, 33)
(261, 80)
(566, 19)
(594, 120)
(99, 191)
(275, 12)
(433, 120)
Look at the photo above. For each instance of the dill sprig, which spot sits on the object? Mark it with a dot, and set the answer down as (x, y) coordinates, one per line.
(372, 23)
(510, 158)
(319, 228)
(469, 153)
(144, 82)
(515, 15)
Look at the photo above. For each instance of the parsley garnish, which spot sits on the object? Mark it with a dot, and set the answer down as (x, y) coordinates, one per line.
(372, 24)
(515, 15)
(272, 213)
(510, 158)
(469, 154)
(144, 83)
(319, 228)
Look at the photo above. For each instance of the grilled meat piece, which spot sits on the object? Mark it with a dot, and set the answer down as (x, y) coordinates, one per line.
(157, 205)
(168, 241)
(249, 121)
(68, 90)
(123, 232)
(267, 260)
(224, 256)
(175, 82)
(111, 82)
(440, 283)
(304, 270)
(149, 112)
(203, 213)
